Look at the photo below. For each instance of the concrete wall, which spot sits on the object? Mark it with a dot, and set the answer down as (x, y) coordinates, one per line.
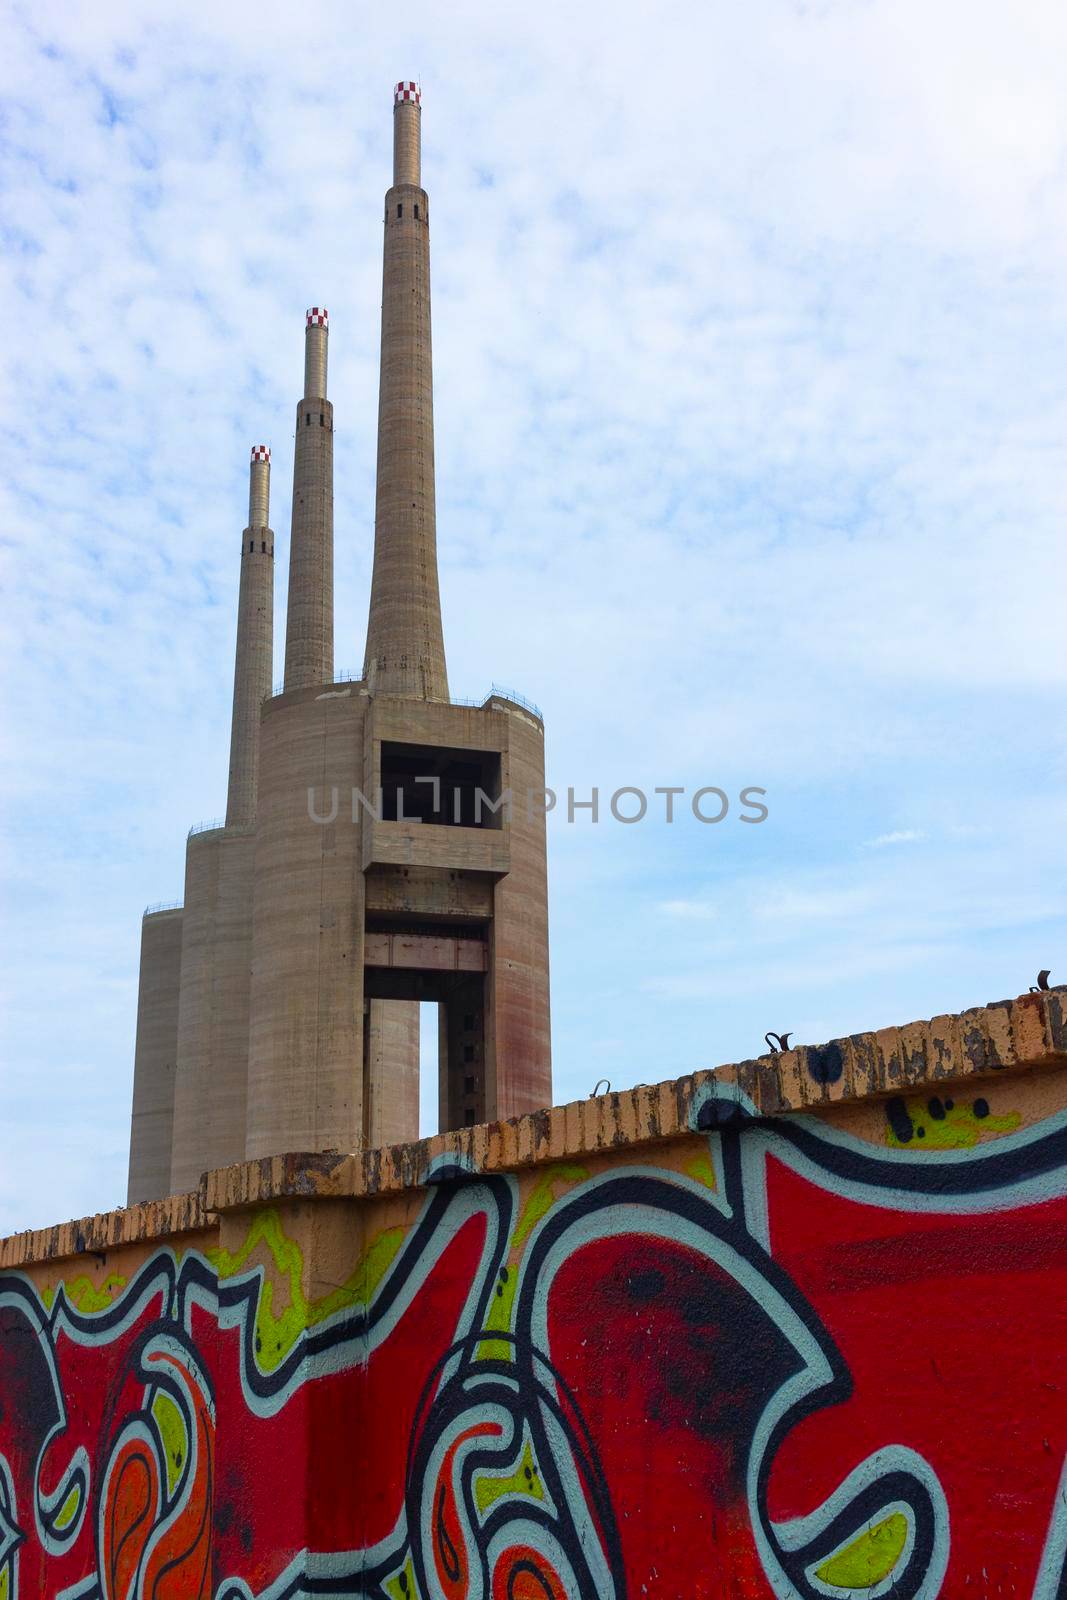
(155, 1055)
(791, 1328)
(518, 997)
(305, 1075)
(213, 1015)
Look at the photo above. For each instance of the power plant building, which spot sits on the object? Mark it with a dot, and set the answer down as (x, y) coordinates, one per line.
(379, 847)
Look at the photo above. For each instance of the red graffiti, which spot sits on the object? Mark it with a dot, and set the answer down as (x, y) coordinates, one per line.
(836, 1370)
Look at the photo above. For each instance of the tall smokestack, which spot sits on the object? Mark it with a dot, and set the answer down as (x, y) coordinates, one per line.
(309, 618)
(405, 643)
(255, 643)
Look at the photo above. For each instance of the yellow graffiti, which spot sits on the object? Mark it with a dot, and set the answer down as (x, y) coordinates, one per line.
(702, 1170)
(84, 1296)
(542, 1197)
(277, 1334)
(870, 1557)
(5, 1584)
(489, 1487)
(499, 1317)
(957, 1127)
(69, 1509)
(171, 1425)
(401, 1587)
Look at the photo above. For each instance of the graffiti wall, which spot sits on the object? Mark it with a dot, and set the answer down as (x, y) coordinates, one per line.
(812, 1356)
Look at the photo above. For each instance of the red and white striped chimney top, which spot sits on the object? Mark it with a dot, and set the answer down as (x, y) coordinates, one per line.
(318, 317)
(261, 452)
(407, 91)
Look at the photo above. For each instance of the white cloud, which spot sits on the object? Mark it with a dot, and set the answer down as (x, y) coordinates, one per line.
(750, 411)
(689, 910)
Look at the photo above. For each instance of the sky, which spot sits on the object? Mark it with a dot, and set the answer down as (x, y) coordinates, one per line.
(749, 342)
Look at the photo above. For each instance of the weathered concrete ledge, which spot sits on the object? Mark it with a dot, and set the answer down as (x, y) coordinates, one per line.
(152, 1219)
(1029, 1031)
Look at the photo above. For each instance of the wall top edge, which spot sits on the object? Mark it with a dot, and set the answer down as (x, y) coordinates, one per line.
(142, 1223)
(1004, 1036)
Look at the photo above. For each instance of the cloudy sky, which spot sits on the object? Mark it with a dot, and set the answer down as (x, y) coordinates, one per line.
(749, 328)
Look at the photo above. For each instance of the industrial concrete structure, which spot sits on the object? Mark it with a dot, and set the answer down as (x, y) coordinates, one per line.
(380, 847)
(216, 948)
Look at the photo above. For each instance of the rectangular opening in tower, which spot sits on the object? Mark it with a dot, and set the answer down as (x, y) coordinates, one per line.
(438, 784)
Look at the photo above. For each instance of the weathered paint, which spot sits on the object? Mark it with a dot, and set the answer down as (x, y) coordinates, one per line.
(792, 1355)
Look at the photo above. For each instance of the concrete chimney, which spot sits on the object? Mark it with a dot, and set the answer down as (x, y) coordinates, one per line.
(405, 642)
(254, 659)
(309, 617)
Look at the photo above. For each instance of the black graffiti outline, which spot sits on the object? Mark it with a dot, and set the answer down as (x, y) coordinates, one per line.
(1013, 1161)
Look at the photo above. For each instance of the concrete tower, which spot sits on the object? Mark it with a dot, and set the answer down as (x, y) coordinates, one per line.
(254, 660)
(379, 877)
(383, 846)
(309, 617)
(405, 641)
(212, 1048)
(494, 1051)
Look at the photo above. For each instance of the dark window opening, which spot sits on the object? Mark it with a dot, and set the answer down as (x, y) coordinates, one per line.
(435, 784)
(468, 1021)
(468, 1052)
(307, 420)
(400, 211)
(263, 546)
(251, 544)
(416, 213)
(468, 1117)
(322, 420)
(468, 1084)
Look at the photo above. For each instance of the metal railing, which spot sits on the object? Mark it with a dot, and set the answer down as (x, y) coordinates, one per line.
(206, 827)
(519, 699)
(500, 690)
(161, 905)
(345, 675)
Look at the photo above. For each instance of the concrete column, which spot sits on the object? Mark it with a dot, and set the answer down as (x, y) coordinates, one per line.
(519, 1041)
(309, 617)
(391, 1072)
(254, 657)
(155, 1053)
(405, 641)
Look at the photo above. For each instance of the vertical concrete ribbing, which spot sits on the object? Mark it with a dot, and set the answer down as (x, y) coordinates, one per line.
(253, 661)
(405, 642)
(155, 1053)
(309, 616)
